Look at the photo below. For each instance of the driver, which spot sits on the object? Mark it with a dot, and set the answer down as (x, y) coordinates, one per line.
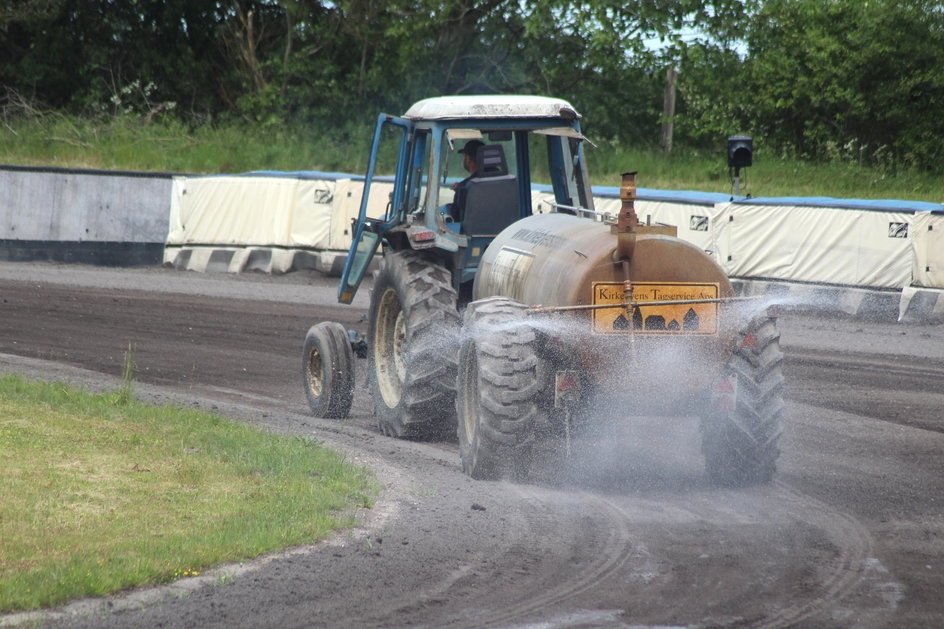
(457, 209)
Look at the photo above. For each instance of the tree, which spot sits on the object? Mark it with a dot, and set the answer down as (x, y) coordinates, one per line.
(843, 78)
(714, 97)
(273, 61)
(80, 54)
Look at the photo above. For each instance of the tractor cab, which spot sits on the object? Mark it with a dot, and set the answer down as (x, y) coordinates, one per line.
(464, 168)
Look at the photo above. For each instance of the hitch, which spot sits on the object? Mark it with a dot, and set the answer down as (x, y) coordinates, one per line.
(358, 343)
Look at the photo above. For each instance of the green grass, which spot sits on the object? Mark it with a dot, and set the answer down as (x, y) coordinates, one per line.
(53, 139)
(102, 492)
(168, 146)
(769, 176)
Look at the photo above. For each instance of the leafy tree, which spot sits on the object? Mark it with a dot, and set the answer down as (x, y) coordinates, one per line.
(822, 78)
(714, 100)
(850, 79)
(369, 55)
(80, 54)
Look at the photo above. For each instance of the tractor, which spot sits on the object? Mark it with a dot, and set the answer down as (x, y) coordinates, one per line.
(503, 325)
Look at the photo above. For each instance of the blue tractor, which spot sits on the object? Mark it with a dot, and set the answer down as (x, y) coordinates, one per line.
(463, 171)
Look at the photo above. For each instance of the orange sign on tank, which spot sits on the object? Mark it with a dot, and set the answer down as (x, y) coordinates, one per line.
(656, 318)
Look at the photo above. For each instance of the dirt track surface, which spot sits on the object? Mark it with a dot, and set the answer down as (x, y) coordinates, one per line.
(851, 534)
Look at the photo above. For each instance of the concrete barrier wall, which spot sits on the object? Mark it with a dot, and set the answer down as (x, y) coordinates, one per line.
(122, 218)
(97, 217)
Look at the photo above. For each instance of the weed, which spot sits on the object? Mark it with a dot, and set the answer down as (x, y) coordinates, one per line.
(423, 492)
(126, 392)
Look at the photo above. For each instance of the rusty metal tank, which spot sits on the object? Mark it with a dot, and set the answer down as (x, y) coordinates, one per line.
(656, 351)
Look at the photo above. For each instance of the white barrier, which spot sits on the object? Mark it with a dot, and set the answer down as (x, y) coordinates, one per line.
(812, 244)
(923, 299)
(928, 247)
(269, 224)
(275, 222)
(878, 245)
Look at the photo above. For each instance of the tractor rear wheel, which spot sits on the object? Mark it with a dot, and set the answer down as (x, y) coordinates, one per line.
(742, 426)
(412, 336)
(328, 370)
(501, 375)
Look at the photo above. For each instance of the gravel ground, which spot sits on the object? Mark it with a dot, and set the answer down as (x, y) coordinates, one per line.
(627, 534)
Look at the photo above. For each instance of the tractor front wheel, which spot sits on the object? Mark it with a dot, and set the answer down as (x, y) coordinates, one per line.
(328, 370)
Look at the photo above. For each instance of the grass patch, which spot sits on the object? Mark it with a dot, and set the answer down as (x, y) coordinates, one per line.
(126, 143)
(102, 492)
(769, 176)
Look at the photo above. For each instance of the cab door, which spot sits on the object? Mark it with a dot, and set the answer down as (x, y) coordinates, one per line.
(391, 140)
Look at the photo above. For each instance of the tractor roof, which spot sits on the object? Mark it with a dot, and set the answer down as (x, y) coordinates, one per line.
(491, 106)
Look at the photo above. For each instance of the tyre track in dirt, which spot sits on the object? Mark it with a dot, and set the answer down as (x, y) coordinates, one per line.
(854, 544)
(560, 556)
(623, 554)
(613, 549)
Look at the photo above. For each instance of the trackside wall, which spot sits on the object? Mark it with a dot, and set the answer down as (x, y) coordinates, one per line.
(849, 253)
(96, 217)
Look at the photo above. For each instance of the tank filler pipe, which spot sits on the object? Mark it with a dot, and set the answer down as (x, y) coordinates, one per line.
(625, 230)
(626, 221)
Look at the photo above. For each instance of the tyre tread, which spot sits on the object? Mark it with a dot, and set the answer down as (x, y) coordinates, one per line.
(331, 341)
(509, 378)
(742, 447)
(429, 302)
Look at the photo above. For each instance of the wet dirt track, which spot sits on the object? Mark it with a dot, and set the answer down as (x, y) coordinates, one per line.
(851, 534)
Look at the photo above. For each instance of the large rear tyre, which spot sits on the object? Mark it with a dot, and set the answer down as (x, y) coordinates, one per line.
(501, 375)
(328, 370)
(412, 336)
(742, 426)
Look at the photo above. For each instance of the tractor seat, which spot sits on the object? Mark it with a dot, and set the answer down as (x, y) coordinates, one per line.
(491, 205)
